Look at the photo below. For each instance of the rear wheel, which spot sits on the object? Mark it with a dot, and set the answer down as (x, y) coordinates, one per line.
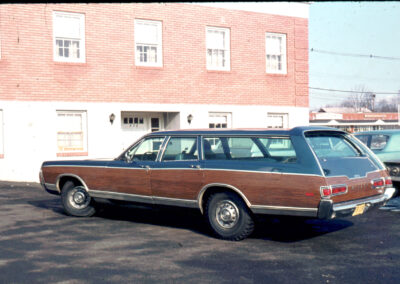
(76, 201)
(228, 216)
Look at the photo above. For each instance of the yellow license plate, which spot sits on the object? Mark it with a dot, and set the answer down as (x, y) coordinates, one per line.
(359, 209)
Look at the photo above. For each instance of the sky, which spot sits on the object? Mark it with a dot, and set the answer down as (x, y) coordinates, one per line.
(357, 28)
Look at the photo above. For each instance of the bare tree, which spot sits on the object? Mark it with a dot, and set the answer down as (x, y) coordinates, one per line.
(360, 98)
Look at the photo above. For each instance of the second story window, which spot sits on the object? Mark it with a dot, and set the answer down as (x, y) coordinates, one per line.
(275, 49)
(148, 43)
(69, 37)
(218, 48)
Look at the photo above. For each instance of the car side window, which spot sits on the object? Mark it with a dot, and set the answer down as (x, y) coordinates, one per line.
(280, 149)
(181, 149)
(249, 148)
(379, 141)
(147, 150)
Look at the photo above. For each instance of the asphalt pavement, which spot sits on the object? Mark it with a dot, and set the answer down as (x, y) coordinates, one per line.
(129, 244)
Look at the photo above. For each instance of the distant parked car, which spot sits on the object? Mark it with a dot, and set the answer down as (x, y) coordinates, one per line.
(386, 145)
(230, 175)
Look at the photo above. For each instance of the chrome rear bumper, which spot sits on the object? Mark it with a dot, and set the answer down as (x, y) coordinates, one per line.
(328, 210)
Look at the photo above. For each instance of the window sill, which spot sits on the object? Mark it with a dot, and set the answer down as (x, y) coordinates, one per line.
(277, 74)
(149, 67)
(72, 154)
(218, 71)
(70, 63)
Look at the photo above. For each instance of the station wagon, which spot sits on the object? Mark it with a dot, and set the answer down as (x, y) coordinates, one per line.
(231, 175)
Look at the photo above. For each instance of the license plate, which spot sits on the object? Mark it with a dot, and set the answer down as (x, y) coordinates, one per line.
(359, 209)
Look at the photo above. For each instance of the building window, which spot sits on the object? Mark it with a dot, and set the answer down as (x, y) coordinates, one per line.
(277, 120)
(219, 120)
(148, 43)
(69, 37)
(71, 131)
(275, 50)
(218, 48)
(1, 135)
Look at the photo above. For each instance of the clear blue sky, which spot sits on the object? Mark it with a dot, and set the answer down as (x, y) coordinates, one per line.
(356, 28)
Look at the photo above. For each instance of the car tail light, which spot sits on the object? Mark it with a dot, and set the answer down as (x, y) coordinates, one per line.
(339, 189)
(380, 182)
(388, 182)
(326, 191)
(332, 190)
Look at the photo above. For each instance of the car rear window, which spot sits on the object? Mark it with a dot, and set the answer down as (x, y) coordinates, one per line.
(332, 145)
(338, 154)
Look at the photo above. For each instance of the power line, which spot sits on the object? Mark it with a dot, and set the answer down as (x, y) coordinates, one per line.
(354, 54)
(348, 91)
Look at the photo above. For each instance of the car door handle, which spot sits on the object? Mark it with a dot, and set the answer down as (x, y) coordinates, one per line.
(195, 166)
(145, 166)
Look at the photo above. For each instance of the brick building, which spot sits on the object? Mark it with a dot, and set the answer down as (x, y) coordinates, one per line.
(86, 80)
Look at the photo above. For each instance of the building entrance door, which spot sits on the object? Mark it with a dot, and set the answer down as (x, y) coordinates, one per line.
(155, 124)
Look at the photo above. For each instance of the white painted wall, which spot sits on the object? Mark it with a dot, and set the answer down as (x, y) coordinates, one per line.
(30, 129)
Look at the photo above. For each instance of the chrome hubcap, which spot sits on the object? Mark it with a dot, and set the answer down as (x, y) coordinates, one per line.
(78, 198)
(227, 214)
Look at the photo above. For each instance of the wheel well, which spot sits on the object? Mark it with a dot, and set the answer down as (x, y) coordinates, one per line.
(218, 189)
(64, 179)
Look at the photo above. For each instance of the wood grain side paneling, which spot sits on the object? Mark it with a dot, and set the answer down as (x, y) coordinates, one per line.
(271, 189)
(131, 181)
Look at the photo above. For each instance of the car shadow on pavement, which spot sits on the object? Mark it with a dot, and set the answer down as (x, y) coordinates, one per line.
(275, 228)
(294, 229)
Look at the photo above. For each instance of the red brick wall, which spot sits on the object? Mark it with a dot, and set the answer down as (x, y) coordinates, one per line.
(28, 72)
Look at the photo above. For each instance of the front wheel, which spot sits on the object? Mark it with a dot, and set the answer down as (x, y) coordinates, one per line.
(76, 201)
(228, 216)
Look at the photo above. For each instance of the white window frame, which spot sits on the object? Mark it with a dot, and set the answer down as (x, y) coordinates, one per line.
(83, 114)
(1, 134)
(283, 116)
(226, 48)
(157, 43)
(227, 115)
(282, 53)
(73, 38)
(131, 120)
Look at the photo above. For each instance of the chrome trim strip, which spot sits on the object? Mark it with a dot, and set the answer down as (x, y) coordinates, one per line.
(70, 175)
(143, 198)
(373, 200)
(175, 201)
(366, 175)
(262, 172)
(163, 147)
(210, 169)
(120, 196)
(51, 186)
(73, 166)
(203, 190)
(284, 210)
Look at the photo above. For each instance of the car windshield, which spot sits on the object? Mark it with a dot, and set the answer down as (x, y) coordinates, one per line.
(339, 155)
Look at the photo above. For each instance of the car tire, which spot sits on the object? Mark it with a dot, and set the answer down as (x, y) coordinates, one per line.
(76, 201)
(228, 216)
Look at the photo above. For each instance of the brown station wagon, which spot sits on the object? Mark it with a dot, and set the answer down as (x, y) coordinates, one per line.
(230, 175)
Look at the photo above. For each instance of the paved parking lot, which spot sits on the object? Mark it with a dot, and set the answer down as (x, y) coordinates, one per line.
(40, 244)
